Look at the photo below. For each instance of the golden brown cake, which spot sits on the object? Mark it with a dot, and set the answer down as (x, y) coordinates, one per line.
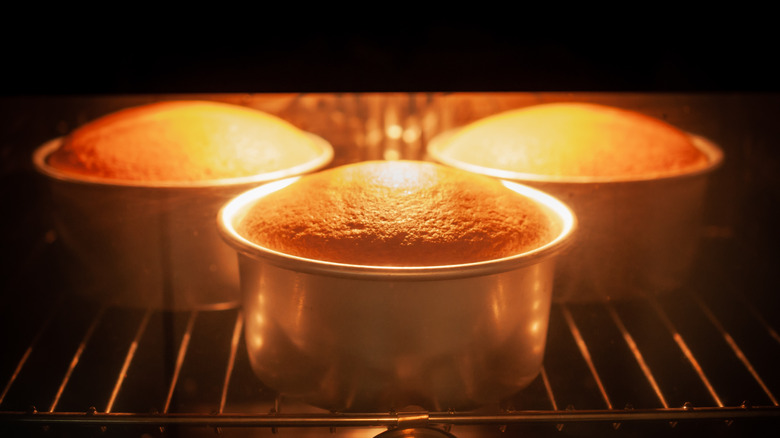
(396, 213)
(183, 141)
(575, 139)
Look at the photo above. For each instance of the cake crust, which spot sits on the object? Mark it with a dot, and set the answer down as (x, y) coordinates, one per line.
(397, 213)
(183, 141)
(576, 140)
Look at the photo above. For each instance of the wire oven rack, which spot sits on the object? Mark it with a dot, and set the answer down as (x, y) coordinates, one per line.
(659, 364)
(702, 360)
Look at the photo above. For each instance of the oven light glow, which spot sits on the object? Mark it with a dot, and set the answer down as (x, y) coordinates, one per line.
(498, 303)
(394, 131)
(392, 154)
(257, 341)
(496, 311)
(412, 134)
(373, 136)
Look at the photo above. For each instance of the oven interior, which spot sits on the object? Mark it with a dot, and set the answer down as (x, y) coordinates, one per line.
(701, 359)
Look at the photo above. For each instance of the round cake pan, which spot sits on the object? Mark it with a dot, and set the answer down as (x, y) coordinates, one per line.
(374, 338)
(636, 237)
(150, 244)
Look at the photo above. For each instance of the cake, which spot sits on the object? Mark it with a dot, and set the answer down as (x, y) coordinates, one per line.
(396, 213)
(574, 140)
(183, 141)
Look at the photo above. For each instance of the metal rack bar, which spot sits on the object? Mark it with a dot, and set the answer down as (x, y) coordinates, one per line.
(734, 347)
(393, 419)
(231, 359)
(550, 395)
(760, 318)
(26, 355)
(128, 359)
(678, 339)
(583, 347)
(77, 357)
(185, 342)
(637, 354)
(548, 389)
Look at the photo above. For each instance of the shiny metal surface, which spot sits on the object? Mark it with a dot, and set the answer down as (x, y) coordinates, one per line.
(368, 338)
(636, 236)
(150, 244)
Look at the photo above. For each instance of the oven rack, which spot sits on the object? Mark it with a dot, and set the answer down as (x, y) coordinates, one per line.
(690, 357)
